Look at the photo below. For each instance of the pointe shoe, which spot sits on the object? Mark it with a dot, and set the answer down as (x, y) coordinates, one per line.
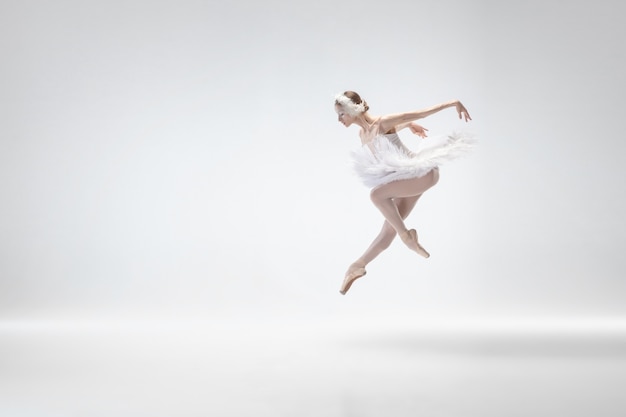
(351, 276)
(410, 239)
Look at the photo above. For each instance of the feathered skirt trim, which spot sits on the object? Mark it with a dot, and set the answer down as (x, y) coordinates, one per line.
(381, 161)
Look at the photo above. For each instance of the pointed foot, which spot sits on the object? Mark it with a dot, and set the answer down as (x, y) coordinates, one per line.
(351, 276)
(410, 239)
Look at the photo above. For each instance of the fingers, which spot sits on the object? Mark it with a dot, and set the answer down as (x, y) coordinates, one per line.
(464, 114)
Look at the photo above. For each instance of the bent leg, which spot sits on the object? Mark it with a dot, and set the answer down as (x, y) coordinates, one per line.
(383, 196)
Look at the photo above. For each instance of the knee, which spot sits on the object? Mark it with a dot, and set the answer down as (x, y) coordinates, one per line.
(375, 195)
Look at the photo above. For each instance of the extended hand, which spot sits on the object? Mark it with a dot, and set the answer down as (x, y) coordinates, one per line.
(463, 113)
(418, 130)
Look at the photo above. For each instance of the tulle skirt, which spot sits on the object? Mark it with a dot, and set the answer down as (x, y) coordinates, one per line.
(385, 160)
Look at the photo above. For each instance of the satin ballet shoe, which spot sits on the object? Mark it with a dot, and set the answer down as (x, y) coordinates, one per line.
(410, 239)
(351, 276)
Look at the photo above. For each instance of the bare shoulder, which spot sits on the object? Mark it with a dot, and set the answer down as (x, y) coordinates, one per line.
(388, 122)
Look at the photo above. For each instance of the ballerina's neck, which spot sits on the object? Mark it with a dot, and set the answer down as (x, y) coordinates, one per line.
(370, 130)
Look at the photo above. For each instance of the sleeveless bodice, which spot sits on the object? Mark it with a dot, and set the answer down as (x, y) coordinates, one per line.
(392, 139)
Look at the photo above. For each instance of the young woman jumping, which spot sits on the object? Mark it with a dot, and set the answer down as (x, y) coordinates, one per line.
(397, 176)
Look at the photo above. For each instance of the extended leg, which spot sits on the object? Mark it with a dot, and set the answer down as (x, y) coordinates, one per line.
(380, 243)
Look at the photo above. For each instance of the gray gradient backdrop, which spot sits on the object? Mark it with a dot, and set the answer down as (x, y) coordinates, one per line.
(184, 158)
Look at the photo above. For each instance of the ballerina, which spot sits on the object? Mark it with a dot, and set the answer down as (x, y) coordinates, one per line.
(397, 176)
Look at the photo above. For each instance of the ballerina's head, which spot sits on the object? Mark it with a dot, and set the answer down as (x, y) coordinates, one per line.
(349, 105)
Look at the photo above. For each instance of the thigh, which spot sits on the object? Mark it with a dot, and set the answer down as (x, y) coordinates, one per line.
(406, 188)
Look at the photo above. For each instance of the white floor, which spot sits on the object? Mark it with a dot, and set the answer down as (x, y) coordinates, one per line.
(303, 368)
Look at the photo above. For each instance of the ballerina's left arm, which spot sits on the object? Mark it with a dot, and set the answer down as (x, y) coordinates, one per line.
(391, 120)
(413, 127)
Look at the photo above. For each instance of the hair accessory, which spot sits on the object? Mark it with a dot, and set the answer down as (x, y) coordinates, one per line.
(350, 106)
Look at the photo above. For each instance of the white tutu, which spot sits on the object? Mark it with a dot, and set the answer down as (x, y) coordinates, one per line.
(385, 158)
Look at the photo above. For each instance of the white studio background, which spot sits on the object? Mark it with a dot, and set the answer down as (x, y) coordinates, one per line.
(184, 158)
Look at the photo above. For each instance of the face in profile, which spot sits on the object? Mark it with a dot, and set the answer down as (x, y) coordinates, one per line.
(342, 116)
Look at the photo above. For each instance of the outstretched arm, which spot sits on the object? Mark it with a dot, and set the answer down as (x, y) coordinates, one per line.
(391, 120)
